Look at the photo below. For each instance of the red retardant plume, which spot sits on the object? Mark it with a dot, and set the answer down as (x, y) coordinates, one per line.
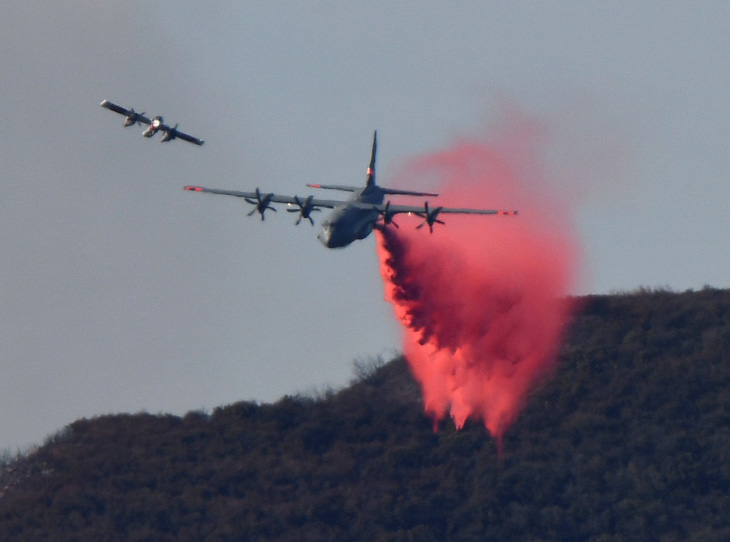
(482, 300)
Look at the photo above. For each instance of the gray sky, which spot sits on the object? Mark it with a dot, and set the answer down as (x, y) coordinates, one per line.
(121, 292)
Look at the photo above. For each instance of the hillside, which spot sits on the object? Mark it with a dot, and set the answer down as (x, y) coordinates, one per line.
(628, 440)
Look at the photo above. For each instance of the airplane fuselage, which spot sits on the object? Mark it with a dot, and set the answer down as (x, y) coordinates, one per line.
(349, 220)
(153, 127)
(348, 223)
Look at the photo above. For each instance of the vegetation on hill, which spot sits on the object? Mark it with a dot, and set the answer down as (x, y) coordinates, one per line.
(628, 440)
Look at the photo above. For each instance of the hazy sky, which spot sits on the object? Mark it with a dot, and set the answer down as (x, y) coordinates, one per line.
(121, 292)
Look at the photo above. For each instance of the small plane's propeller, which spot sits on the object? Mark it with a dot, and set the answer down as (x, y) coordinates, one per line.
(261, 203)
(305, 209)
(388, 216)
(430, 217)
(169, 135)
(133, 118)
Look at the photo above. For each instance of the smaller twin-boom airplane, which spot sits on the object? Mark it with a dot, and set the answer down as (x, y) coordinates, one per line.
(356, 217)
(153, 126)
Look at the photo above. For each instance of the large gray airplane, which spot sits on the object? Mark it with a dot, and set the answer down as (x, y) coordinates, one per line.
(356, 217)
(155, 125)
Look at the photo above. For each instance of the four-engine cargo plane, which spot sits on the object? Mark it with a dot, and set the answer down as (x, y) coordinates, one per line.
(155, 125)
(358, 216)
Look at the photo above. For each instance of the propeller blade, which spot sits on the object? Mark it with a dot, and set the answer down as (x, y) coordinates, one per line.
(261, 203)
(430, 217)
(388, 216)
(305, 209)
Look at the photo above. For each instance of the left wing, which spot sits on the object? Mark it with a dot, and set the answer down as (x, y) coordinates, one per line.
(429, 215)
(262, 200)
(425, 209)
(171, 133)
(186, 137)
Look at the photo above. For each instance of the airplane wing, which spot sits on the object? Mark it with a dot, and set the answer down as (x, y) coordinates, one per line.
(138, 117)
(171, 132)
(391, 210)
(258, 196)
(186, 137)
(429, 215)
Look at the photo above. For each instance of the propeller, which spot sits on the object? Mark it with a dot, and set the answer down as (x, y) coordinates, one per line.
(388, 216)
(305, 209)
(261, 203)
(133, 118)
(430, 217)
(170, 134)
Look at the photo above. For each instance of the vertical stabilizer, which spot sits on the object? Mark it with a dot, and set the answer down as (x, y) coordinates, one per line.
(371, 167)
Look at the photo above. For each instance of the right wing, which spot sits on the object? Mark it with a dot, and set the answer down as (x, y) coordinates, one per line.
(136, 117)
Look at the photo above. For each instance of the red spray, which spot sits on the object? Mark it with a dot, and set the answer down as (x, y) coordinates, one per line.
(482, 300)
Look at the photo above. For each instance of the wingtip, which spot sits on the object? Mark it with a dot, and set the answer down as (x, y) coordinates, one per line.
(193, 188)
(104, 103)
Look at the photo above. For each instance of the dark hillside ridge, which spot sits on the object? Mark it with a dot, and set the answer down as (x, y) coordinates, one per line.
(628, 440)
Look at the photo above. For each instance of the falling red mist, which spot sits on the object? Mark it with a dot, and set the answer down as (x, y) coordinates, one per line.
(483, 300)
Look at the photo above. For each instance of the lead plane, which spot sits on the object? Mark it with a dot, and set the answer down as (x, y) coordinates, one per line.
(356, 217)
(154, 125)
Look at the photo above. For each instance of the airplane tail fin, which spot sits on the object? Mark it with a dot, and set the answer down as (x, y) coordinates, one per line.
(371, 167)
(370, 184)
(388, 191)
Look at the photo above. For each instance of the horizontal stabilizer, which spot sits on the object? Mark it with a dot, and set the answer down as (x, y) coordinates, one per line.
(396, 192)
(341, 187)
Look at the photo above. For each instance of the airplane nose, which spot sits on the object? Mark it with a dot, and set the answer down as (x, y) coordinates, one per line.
(324, 237)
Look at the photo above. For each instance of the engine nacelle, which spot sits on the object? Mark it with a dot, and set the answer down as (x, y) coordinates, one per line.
(170, 134)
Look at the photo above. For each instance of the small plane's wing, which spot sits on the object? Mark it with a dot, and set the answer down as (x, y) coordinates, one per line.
(173, 133)
(186, 137)
(137, 117)
(273, 198)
